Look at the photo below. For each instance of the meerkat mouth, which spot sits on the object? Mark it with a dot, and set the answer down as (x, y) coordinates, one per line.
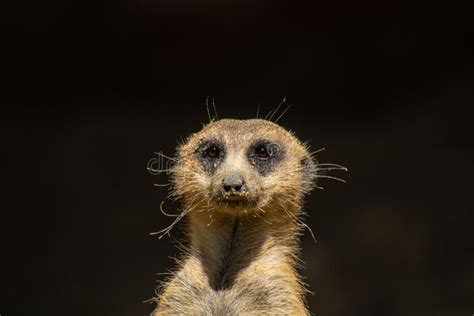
(237, 201)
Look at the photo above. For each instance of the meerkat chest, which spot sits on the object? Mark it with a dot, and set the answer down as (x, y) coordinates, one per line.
(266, 284)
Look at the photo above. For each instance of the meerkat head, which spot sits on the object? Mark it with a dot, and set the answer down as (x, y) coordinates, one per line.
(236, 165)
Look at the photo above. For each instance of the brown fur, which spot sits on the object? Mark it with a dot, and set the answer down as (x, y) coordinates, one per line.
(241, 260)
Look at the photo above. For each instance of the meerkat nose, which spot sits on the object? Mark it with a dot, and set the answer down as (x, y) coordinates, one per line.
(233, 183)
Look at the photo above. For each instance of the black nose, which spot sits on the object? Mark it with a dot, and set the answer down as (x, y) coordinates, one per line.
(233, 184)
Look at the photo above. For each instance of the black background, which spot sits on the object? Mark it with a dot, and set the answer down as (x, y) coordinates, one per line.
(92, 89)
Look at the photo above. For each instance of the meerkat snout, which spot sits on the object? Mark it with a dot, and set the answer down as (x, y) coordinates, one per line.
(233, 184)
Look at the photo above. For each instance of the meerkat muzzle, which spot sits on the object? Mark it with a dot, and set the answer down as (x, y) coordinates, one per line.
(233, 186)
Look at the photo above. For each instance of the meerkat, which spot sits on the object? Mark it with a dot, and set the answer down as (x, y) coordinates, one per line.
(241, 184)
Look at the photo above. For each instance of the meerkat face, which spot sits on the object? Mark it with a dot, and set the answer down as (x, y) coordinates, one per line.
(234, 165)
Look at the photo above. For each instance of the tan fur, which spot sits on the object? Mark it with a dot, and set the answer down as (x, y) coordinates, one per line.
(240, 260)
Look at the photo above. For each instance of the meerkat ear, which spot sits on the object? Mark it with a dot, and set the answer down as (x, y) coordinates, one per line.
(308, 166)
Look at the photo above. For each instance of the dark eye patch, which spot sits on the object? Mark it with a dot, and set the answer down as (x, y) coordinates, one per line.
(264, 155)
(210, 153)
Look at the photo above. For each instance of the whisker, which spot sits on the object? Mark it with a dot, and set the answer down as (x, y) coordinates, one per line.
(207, 107)
(317, 151)
(331, 165)
(330, 177)
(266, 116)
(258, 109)
(161, 185)
(331, 168)
(214, 106)
(310, 231)
(281, 115)
(150, 301)
(277, 108)
(166, 231)
(298, 221)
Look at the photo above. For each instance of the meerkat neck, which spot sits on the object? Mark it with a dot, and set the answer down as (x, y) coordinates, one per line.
(230, 244)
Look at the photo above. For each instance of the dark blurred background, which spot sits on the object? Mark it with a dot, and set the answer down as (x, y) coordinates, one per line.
(92, 88)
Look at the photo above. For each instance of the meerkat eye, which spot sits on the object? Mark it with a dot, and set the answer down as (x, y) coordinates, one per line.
(213, 151)
(261, 151)
(265, 151)
(264, 155)
(210, 153)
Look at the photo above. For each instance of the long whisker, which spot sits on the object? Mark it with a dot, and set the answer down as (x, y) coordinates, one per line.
(331, 168)
(330, 177)
(317, 151)
(207, 107)
(283, 113)
(258, 109)
(330, 165)
(277, 108)
(300, 222)
(214, 106)
(310, 230)
(166, 231)
(268, 114)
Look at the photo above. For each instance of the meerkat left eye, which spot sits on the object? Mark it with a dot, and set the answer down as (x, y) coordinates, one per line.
(265, 151)
(264, 156)
(261, 151)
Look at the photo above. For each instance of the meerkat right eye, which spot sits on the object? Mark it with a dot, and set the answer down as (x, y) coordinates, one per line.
(210, 153)
(213, 151)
